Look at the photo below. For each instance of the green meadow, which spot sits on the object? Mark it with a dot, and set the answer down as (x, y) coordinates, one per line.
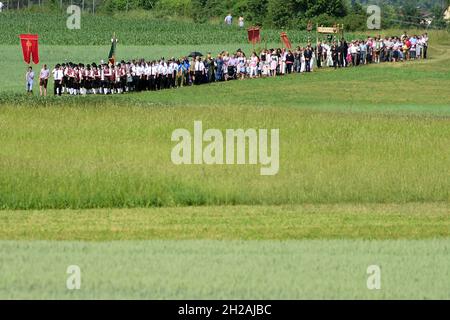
(364, 178)
(119, 156)
(369, 222)
(377, 134)
(207, 269)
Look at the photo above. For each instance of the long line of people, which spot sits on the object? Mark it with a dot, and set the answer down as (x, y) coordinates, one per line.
(140, 75)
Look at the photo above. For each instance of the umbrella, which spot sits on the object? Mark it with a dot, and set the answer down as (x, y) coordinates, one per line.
(195, 54)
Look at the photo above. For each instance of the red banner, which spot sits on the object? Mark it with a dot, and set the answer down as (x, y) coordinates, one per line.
(285, 40)
(254, 35)
(30, 47)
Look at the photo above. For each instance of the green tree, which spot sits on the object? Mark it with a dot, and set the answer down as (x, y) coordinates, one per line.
(279, 13)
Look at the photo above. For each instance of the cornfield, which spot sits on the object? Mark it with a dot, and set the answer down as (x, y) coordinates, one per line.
(130, 30)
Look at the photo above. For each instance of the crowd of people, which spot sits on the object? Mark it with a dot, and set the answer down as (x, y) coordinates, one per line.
(140, 75)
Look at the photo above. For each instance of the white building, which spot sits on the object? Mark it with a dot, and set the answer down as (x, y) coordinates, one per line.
(447, 14)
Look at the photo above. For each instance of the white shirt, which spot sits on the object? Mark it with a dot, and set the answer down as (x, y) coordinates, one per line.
(170, 68)
(140, 70)
(154, 71)
(148, 70)
(163, 69)
(199, 66)
(57, 74)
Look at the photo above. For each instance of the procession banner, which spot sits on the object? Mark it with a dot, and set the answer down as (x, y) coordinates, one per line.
(334, 29)
(30, 48)
(112, 51)
(254, 35)
(285, 40)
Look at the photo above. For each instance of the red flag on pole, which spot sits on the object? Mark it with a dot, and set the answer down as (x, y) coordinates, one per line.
(254, 35)
(30, 47)
(285, 40)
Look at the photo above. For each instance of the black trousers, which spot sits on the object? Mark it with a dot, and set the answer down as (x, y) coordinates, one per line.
(289, 68)
(308, 65)
(151, 83)
(169, 80)
(198, 77)
(57, 87)
(161, 82)
(335, 62)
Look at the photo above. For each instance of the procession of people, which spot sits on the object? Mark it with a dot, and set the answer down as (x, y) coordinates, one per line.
(141, 75)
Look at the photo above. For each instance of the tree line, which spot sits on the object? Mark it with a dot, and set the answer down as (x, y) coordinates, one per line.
(294, 13)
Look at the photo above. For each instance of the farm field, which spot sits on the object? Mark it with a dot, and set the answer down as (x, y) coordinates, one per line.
(364, 177)
(200, 269)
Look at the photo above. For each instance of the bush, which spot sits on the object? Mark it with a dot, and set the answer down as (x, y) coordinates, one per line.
(353, 22)
(174, 7)
(279, 13)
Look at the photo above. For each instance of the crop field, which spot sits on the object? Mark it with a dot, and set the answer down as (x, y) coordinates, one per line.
(130, 29)
(364, 176)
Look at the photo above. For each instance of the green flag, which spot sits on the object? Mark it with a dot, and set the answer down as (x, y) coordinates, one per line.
(112, 51)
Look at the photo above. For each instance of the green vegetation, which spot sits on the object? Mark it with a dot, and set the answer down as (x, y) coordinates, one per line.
(131, 29)
(90, 152)
(119, 156)
(370, 222)
(331, 269)
(293, 14)
(364, 169)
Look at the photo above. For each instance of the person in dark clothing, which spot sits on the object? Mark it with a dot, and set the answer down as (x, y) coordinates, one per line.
(308, 53)
(289, 61)
(334, 55)
(343, 49)
(319, 52)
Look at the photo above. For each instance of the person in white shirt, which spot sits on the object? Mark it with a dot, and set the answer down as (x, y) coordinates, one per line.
(58, 75)
(29, 77)
(253, 65)
(43, 80)
(148, 74)
(153, 75)
(1, 6)
(199, 71)
(241, 22)
(162, 74)
(170, 74)
(229, 19)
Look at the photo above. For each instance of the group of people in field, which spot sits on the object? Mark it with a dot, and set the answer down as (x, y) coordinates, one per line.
(141, 75)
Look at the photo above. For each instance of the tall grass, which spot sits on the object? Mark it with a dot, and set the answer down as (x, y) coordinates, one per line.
(119, 156)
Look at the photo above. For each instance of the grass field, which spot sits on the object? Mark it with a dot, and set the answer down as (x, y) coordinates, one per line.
(364, 179)
(305, 269)
(413, 221)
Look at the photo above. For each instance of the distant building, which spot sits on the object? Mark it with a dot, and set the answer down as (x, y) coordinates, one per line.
(447, 14)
